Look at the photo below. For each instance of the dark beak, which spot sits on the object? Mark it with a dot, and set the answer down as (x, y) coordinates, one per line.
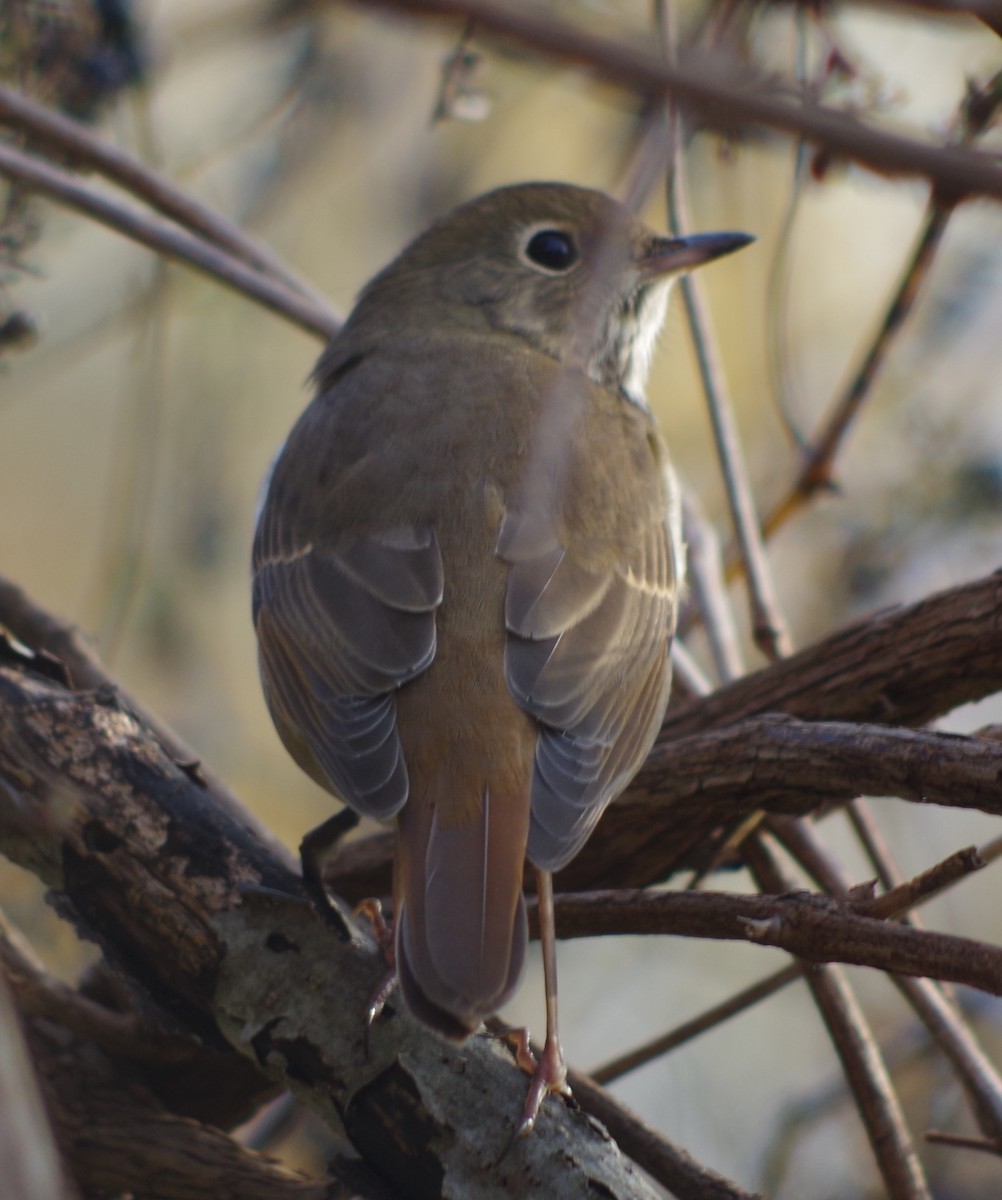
(666, 256)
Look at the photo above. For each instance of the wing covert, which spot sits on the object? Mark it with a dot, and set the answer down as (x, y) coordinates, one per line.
(341, 624)
(588, 635)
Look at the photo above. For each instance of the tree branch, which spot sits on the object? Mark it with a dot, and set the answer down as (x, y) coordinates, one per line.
(721, 92)
(189, 904)
(35, 174)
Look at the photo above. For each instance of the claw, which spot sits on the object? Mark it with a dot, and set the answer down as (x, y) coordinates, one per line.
(377, 1002)
(547, 1074)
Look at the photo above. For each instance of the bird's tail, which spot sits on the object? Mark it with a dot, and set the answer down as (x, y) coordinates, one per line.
(460, 918)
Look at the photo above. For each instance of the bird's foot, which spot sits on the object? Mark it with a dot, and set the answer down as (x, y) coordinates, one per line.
(382, 931)
(547, 1074)
(377, 1002)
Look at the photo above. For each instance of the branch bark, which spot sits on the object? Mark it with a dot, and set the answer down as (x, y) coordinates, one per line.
(814, 928)
(189, 904)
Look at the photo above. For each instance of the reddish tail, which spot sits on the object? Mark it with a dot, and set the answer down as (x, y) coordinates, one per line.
(460, 917)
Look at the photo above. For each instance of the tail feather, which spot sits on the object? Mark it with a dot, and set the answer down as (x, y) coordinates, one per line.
(461, 928)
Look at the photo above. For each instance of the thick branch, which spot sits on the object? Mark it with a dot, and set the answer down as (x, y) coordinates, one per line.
(814, 928)
(192, 906)
(901, 666)
(118, 1139)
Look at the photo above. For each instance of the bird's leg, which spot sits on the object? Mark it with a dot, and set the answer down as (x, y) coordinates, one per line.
(314, 850)
(549, 1073)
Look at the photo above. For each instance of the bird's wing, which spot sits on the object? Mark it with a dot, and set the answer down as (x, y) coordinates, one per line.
(342, 621)
(590, 610)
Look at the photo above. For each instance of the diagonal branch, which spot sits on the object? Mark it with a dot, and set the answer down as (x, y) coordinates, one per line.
(720, 91)
(35, 174)
(76, 142)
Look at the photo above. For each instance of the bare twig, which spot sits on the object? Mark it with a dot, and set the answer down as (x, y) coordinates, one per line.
(165, 238)
(82, 146)
(708, 588)
(861, 1060)
(722, 95)
(961, 1143)
(670, 1166)
(945, 1023)
(815, 474)
(768, 627)
(709, 1019)
(927, 884)
(870, 838)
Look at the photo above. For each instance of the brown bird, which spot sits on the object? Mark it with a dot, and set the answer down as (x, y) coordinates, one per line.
(466, 571)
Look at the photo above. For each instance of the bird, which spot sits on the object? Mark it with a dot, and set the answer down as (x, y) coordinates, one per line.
(466, 572)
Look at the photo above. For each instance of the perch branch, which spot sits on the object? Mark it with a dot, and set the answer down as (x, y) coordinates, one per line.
(189, 904)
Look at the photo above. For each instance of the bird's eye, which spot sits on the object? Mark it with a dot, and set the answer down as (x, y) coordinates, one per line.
(552, 249)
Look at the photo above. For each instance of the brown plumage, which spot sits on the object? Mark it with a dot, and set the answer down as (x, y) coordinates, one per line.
(467, 562)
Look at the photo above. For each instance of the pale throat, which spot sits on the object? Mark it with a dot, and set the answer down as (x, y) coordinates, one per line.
(623, 357)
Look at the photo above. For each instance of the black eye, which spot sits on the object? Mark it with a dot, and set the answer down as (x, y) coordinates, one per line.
(552, 249)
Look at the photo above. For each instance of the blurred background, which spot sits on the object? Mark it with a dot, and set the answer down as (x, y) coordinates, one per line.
(137, 424)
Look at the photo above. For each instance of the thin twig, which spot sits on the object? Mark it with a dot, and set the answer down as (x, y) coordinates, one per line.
(816, 471)
(864, 826)
(705, 575)
(944, 1021)
(927, 884)
(768, 627)
(709, 1019)
(688, 671)
(166, 238)
(873, 842)
(81, 145)
(668, 1164)
(861, 1060)
(937, 1138)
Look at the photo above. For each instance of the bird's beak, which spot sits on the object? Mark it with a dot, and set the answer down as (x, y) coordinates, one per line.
(667, 256)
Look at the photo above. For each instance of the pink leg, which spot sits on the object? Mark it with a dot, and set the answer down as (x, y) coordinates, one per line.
(549, 1074)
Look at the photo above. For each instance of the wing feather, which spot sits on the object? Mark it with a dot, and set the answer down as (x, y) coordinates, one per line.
(342, 623)
(590, 610)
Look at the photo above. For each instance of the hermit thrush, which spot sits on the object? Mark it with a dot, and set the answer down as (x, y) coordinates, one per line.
(466, 571)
